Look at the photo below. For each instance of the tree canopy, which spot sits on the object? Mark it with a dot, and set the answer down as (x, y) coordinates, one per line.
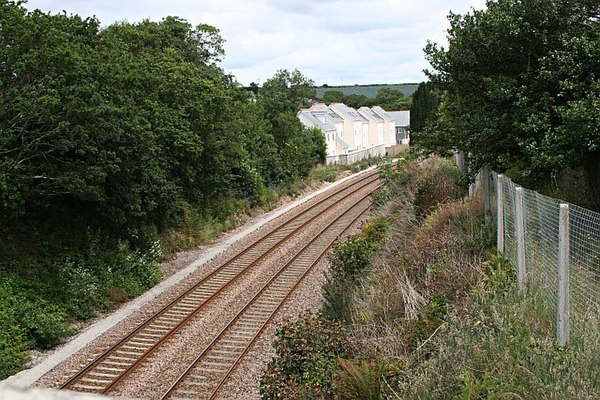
(128, 122)
(522, 86)
(389, 99)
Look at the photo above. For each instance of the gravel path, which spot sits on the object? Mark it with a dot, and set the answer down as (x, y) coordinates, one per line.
(186, 269)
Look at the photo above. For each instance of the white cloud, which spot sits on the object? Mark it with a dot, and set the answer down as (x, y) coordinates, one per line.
(330, 41)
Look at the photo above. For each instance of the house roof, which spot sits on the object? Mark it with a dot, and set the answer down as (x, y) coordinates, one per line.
(369, 114)
(318, 118)
(350, 112)
(402, 118)
(382, 113)
(323, 107)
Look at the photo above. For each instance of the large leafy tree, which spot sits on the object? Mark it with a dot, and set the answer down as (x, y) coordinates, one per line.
(522, 82)
(281, 97)
(392, 99)
(119, 126)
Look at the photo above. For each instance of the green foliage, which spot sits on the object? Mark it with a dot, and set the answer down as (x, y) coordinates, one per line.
(437, 183)
(369, 91)
(429, 318)
(333, 96)
(364, 379)
(499, 275)
(26, 320)
(13, 345)
(522, 89)
(306, 358)
(392, 99)
(501, 346)
(350, 260)
(387, 97)
(423, 106)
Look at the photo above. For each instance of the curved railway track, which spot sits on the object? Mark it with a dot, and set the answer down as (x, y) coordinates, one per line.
(115, 364)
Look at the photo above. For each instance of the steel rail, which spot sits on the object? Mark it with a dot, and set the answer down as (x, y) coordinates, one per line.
(251, 302)
(135, 362)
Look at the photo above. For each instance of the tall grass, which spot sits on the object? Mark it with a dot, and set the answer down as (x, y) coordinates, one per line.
(502, 345)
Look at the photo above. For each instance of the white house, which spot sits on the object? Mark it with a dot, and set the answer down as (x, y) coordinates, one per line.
(389, 126)
(318, 119)
(352, 135)
(356, 127)
(376, 125)
(402, 120)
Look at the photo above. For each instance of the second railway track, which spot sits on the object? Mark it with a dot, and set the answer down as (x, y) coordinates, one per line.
(113, 366)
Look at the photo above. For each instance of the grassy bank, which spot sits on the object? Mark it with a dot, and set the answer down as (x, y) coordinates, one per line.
(426, 310)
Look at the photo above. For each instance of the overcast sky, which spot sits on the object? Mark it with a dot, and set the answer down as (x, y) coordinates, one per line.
(330, 41)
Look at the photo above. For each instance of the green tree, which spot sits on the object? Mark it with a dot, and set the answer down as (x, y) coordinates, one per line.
(424, 104)
(359, 100)
(521, 82)
(392, 99)
(333, 96)
(281, 97)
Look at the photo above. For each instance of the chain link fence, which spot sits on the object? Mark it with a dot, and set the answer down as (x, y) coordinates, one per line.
(555, 247)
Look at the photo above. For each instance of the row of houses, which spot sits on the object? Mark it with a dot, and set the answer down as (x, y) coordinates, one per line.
(352, 135)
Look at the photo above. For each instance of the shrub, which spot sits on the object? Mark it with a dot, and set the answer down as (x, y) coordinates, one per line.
(323, 173)
(349, 261)
(13, 345)
(31, 320)
(503, 346)
(306, 358)
(364, 379)
(436, 182)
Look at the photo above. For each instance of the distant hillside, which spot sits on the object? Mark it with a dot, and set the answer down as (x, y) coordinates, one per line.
(369, 90)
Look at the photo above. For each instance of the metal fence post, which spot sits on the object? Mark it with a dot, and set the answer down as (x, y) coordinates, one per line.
(487, 195)
(562, 328)
(500, 215)
(520, 238)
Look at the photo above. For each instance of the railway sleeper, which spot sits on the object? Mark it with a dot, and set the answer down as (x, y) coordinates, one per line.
(87, 388)
(112, 369)
(102, 375)
(179, 311)
(225, 354)
(98, 381)
(151, 335)
(136, 353)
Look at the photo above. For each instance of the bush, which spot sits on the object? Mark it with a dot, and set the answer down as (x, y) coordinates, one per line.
(436, 182)
(349, 261)
(26, 321)
(364, 379)
(306, 359)
(13, 346)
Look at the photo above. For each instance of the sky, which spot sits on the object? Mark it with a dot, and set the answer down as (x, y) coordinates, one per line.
(332, 42)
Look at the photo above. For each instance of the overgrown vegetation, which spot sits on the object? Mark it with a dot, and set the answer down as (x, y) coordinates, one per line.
(119, 145)
(307, 355)
(429, 312)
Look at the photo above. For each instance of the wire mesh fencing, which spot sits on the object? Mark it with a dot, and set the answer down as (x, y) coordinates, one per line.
(556, 247)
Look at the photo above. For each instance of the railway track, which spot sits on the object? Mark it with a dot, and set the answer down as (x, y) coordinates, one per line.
(211, 368)
(111, 367)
